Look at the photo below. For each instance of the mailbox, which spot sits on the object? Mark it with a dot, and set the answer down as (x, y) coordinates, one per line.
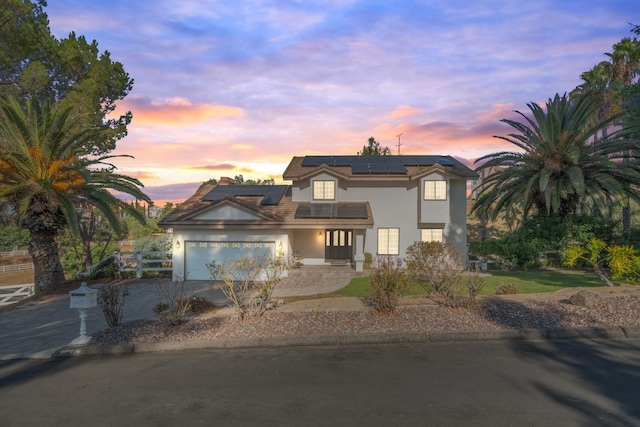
(83, 297)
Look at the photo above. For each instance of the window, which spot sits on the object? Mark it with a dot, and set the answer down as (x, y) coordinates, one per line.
(431, 234)
(435, 190)
(324, 190)
(388, 241)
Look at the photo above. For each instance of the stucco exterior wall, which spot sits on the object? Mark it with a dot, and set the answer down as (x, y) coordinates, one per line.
(310, 244)
(400, 204)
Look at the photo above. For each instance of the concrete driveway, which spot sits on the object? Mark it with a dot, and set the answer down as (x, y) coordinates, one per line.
(37, 326)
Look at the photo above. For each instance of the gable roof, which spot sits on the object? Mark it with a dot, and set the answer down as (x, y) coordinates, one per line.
(283, 213)
(378, 167)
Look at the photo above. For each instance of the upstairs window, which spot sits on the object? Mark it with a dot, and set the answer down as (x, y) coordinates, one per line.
(324, 190)
(431, 234)
(435, 190)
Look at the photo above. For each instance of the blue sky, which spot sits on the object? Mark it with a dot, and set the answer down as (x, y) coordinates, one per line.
(239, 87)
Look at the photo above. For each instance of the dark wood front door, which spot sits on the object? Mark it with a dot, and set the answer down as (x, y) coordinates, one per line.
(338, 244)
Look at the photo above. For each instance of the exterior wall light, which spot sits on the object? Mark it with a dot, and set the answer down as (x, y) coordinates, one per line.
(177, 244)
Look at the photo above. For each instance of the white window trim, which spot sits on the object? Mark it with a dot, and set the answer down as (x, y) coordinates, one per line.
(327, 186)
(385, 245)
(436, 194)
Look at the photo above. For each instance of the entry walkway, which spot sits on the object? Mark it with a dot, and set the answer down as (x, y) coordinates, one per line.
(314, 280)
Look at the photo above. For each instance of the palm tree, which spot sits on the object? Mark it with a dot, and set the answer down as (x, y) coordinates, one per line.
(625, 60)
(565, 164)
(46, 175)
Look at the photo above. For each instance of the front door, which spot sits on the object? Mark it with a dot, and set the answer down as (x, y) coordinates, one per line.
(338, 244)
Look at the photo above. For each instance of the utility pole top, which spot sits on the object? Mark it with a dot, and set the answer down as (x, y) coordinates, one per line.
(399, 143)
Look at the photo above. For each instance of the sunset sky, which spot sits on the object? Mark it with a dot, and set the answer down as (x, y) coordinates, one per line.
(239, 87)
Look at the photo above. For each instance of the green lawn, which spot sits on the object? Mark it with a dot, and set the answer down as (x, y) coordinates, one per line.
(528, 282)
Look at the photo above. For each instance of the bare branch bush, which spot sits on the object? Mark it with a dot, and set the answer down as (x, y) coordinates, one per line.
(274, 269)
(387, 284)
(238, 282)
(435, 266)
(473, 284)
(111, 301)
(174, 305)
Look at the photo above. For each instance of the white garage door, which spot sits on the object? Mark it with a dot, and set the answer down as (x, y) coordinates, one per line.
(199, 254)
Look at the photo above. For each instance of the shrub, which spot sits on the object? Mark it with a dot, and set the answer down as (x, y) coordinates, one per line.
(621, 260)
(387, 284)
(368, 260)
(507, 289)
(237, 283)
(474, 283)
(273, 271)
(201, 305)
(111, 301)
(173, 305)
(435, 266)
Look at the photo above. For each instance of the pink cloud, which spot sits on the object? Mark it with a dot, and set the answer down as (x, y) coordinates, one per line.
(177, 111)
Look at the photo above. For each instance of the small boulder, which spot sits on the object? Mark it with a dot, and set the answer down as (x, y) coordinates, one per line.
(584, 299)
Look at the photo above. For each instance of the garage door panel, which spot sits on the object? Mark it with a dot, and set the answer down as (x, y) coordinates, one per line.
(199, 254)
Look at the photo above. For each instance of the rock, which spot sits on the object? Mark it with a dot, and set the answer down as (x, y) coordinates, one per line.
(584, 299)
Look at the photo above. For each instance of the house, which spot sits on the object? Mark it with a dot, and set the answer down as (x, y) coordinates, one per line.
(336, 209)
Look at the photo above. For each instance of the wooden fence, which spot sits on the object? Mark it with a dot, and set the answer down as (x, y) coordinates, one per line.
(15, 252)
(14, 293)
(137, 262)
(16, 267)
(141, 262)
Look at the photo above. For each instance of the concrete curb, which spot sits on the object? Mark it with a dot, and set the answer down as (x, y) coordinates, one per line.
(589, 333)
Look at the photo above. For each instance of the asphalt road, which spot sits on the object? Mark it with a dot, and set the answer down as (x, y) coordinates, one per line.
(517, 383)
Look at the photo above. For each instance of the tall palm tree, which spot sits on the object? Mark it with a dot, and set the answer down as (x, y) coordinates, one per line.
(46, 175)
(565, 164)
(625, 60)
(598, 81)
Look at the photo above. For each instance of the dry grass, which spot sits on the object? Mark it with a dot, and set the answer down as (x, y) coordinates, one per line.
(15, 277)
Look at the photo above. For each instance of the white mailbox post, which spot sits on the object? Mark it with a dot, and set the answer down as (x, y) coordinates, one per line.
(83, 299)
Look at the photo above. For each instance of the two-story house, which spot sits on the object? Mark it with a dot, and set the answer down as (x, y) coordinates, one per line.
(337, 209)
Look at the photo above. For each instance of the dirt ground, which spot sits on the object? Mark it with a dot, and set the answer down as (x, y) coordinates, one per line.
(16, 277)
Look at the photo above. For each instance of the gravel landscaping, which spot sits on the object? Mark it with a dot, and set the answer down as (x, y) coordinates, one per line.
(413, 315)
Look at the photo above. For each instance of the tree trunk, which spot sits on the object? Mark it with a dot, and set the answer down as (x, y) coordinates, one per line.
(48, 273)
(87, 256)
(602, 275)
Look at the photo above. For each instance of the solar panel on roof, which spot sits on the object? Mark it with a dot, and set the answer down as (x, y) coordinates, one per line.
(360, 167)
(331, 210)
(342, 161)
(378, 164)
(271, 194)
(376, 159)
(351, 210)
(327, 160)
(397, 168)
(418, 160)
(274, 194)
(444, 161)
(378, 168)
